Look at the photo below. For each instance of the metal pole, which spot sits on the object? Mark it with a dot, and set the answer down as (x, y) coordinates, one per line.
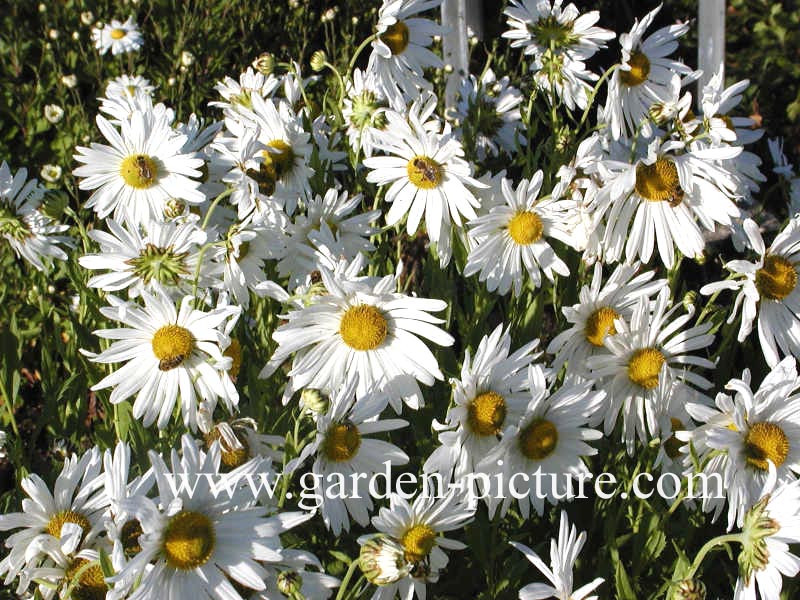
(711, 40)
(458, 18)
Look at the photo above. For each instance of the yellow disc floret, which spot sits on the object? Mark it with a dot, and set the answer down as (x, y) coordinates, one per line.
(188, 540)
(600, 324)
(424, 172)
(139, 171)
(342, 441)
(87, 579)
(417, 542)
(777, 278)
(640, 69)
(659, 181)
(486, 413)
(644, 367)
(525, 228)
(58, 520)
(766, 441)
(538, 440)
(118, 34)
(172, 344)
(396, 37)
(234, 351)
(363, 327)
(279, 159)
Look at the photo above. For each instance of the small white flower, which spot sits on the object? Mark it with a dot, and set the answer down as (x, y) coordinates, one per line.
(50, 173)
(53, 113)
(118, 37)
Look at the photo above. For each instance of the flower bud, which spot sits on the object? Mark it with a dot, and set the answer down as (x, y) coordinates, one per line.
(318, 60)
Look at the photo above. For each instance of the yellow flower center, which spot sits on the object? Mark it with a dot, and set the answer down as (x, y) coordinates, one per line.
(129, 536)
(766, 441)
(418, 542)
(525, 228)
(188, 540)
(231, 458)
(139, 171)
(279, 160)
(640, 69)
(600, 324)
(396, 37)
(777, 278)
(424, 172)
(538, 440)
(234, 351)
(486, 413)
(363, 327)
(672, 447)
(342, 441)
(172, 344)
(659, 182)
(57, 521)
(90, 583)
(118, 34)
(644, 367)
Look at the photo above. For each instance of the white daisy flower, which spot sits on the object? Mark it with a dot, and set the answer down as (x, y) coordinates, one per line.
(492, 393)
(644, 76)
(647, 355)
(664, 198)
(30, 233)
(559, 39)
(363, 109)
(747, 430)
(65, 572)
(717, 101)
(72, 515)
(414, 530)
(341, 450)
(127, 86)
(539, 26)
(238, 94)
(235, 163)
(400, 51)
(159, 254)
(118, 37)
(512, 237)
(770, 526)
(140, 171)
(168, 353)
(293, 578)
(767, 289)
(239, 441)
(550, 439)
(284, 161)
(427, 174)
(488, 111)
(122, 528)
(327, 218)
(201, 543)
(360, 326)
(563, 555)
(592, 319)
(247, 249)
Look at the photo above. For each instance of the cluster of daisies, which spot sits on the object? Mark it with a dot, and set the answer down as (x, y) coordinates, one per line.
(195, 220)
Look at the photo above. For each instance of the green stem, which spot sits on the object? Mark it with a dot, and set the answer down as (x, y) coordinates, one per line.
(596, 89)
(346, 580)
(709, 545)
(359, 50)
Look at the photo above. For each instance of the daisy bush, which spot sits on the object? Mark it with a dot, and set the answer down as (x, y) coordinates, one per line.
(291, 309)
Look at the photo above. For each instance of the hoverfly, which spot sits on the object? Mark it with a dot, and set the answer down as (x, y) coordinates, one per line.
(167, 364)
(429, 172)
(144, 169)
(676, 198)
